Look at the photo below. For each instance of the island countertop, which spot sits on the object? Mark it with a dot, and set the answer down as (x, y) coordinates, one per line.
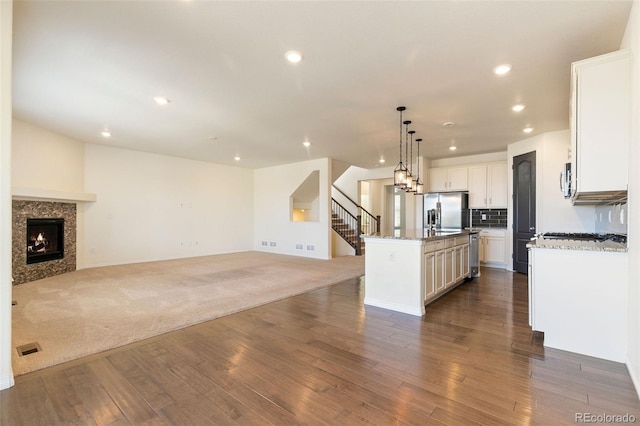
(423, 234)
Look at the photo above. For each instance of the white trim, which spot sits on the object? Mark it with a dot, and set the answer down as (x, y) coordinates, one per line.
(394, 241)
(634, 379)
(406, 309)
(23, 193)
(7, 382)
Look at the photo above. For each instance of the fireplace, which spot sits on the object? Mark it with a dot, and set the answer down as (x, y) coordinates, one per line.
(45, 240)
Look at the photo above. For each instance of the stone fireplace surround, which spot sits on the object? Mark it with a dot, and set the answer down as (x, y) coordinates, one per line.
(23, 210)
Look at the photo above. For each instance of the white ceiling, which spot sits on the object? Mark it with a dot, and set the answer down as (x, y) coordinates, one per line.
(82, 66)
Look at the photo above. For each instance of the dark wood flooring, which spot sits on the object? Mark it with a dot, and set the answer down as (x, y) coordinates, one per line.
(325, 358)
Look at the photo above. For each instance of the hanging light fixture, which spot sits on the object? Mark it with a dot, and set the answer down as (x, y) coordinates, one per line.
(400, 172)
(419, 185)
(411, 181)
(407, 181)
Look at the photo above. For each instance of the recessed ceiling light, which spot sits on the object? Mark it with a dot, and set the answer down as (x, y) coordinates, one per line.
(448, 124)
(381, 161)
(105, 134)
(528, 129)
(453, 147)
(502, 69)
(293, 56)
(160, 100)
(517, 108)
(306, 143)
(237, 158)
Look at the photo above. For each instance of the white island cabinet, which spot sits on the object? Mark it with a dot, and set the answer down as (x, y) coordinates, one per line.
(577, 296)
(405, 273)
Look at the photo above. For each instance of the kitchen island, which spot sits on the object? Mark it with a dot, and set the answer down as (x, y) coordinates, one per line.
(577, 296)
(407, 271)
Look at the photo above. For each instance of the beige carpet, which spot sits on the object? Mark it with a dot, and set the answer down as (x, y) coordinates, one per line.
(92, 310)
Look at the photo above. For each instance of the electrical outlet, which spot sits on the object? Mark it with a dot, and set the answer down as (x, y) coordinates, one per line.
(484, 217)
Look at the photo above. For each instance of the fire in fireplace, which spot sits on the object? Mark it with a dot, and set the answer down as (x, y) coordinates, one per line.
(45, 240)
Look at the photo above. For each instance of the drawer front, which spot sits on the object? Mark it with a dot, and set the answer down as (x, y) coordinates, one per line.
(432, 246)
(462, 240)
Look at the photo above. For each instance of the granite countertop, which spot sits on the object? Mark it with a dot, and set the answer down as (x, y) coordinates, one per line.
(541, 242)
(422, 234)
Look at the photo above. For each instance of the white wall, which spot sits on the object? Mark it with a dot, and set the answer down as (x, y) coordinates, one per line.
(632, 41)
(42, 159)
(6, 17)
(273, 187)
(469, 159)
(154, 207)
(45, 160)
(553, 211)
(348, 181)
(379, 177)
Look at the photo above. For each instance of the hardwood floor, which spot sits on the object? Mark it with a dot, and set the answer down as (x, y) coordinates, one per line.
(324, 358)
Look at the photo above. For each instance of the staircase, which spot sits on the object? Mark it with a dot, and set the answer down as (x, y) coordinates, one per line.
(348, 233)
(350, 227)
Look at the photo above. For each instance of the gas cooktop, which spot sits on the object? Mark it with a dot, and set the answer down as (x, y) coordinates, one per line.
(583, 236)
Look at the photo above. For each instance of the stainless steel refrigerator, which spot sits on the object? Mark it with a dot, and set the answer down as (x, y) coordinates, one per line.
(446, 210)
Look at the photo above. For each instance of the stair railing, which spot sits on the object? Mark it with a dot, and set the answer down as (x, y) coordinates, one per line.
(369, 224)
(346, 224)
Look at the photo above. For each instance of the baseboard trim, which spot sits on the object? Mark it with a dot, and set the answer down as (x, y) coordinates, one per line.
(634, 379)
(406, 309)
(7, 382)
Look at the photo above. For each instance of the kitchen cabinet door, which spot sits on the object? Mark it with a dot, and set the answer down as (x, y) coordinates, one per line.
(488, 186)
(466, 267)
(458, 179)
(497, 185)
(440, 271)
(458, 264)
(450, 267)
(478, 187)
(600, 123)
(429, 276)
(438, 180)
(494, 250)
(444, 179)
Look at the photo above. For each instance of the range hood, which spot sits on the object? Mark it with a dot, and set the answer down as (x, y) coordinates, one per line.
(599, 198)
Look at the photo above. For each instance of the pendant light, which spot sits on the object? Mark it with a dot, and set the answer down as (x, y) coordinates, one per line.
(411, 181)
(419, 184)
(400, 172)
(407, 178)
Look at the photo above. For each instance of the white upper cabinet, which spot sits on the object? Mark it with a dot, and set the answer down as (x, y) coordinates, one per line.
(488, 186)
(600, 125)
(448, 179)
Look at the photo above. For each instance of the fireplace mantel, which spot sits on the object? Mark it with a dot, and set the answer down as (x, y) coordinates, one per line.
(40, 194)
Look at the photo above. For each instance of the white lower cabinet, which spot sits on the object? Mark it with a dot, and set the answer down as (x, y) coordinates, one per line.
(450, 267)
(493, 248)
(429, 275)
(440, 271)
(446, 264)
(578, 300)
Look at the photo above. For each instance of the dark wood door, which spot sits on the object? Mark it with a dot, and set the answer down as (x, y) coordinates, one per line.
(524, 208)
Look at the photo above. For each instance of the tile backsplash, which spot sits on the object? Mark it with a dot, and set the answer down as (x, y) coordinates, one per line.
(611, 219)
(489, 218)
